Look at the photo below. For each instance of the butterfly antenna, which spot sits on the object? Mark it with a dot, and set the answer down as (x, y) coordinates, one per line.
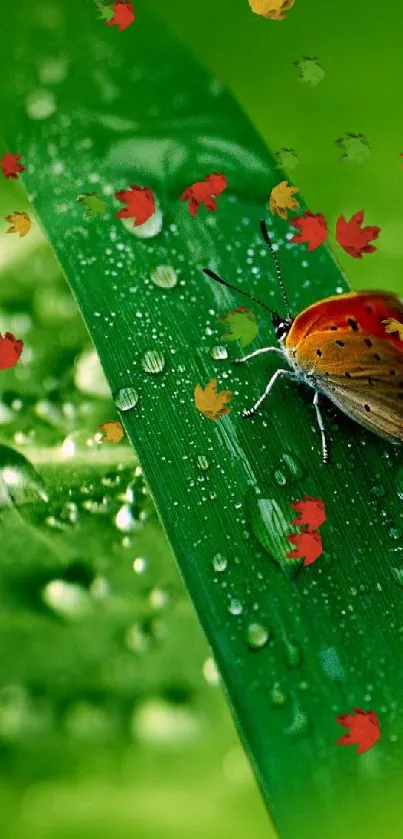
(214, 276)
(266, 237)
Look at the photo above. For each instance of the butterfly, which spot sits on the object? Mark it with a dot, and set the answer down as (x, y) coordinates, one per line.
(340, 348)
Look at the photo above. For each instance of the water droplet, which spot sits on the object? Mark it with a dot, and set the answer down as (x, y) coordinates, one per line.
(398, 575)
(210, 672)
(147, 230)
(378, 491)
(269, 525)
(331, 664)
(399, 483)
(78, 442)
(219, 563)
(288, 469)
(202, 462)
(126, 398)
(299, 724)
(158, 598)
(257, 635)
(20, 483)
(153, 361)
(293, 654)
(40, 104)
(235, 607)
(159, 722)
(140, 565)
(278, 697)
(125, 520)
(164, 276)
(67, 599)
(137, 639)
(219, 353)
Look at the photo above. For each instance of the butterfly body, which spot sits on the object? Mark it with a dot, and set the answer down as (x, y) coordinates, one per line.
(340, 347)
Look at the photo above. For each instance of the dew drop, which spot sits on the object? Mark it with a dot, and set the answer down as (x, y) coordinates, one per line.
(398, 575)
(126, 398)
(219, 353)
(40, 104)
(235, 607)
(158, 598)
(293, 654)
(219, 563)
(67, 599)
(399, 483)
(89, 376)
(288, 469)
(269, 525)
(257, 636)
(203, 463)
(125, 520)
(299, 724)
(20, 483)
(147, 230)
(153, 361)
(163, 723)
(140, 565)
(277, 696)
(210, 672)
(164, 276)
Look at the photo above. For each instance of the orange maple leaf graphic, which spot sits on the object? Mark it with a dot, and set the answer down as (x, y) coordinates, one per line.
(272, 9)
(364, 730)
(281, 199)
(10, 350)
(20, 223)
(393, 325)
(210, 403)
(353, 238)
(204, 192)
(112, 431)
(311, 513)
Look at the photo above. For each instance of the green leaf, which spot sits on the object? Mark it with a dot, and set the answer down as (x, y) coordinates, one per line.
(96, 204)
(355, 147)
(164, 125)
(309, 70)
(242, 327)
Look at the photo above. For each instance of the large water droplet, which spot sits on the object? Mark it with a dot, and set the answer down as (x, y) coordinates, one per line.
(153, 361)
(147, 230)
(257, 635)
(269, 525)
(235, 607)
(67, 599)
(203, 463)
(219, 353)
(40, 104)
(164, 276)
(219, 563)
(288, 469)
(20, 483)
(126, 398)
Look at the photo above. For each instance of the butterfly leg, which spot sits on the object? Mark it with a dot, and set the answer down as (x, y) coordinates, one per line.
(257, 352)
(256, 406)
(325, 453)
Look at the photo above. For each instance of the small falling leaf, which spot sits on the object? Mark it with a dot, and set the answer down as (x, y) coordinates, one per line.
(112, 431)
(353, 238)
(355, 147)
(364, 730)
(10, 350)
(204, 192)
(210, 403)
(286, 159)
(242, 326)
(140, 204)
(271, 9)
(281, 199)
(311, 513)
(10, 166)
(401, 155)
(393, 325)
(313, 230)
(95, 203)
(309, 70)
(123, 15)
(20, 223)
(307, 546)
(105, 10)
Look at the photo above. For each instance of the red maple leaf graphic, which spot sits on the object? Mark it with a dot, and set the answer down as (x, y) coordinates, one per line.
(140, 204)
(307, 546)
(10, 165)
(311, 513)
(313, 230)
(204, 192)
(364, 730)
(354, 238)
(10, 350)
(123, 15)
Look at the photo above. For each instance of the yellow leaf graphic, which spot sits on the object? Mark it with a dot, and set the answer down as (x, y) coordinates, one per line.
(210, 403)
(272, 9)
(393, 325)
(281, 199)
(113, 432)
(20, 223)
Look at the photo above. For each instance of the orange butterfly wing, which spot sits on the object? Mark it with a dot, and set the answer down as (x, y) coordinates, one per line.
(343, 345)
